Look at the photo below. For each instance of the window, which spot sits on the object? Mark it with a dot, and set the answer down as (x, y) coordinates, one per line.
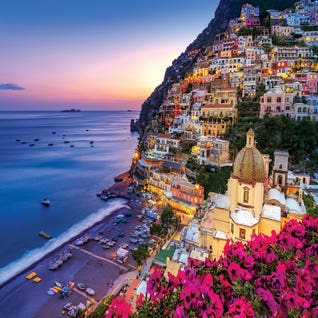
(279, 99)
(232, 228)
(269, 99)
(242, 233)
(246, 194)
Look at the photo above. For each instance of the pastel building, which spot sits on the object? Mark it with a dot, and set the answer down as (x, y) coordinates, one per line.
(308, 81)
(212, 151)
(313, 100)
(290, 54)
(184, 196)
(249, 16)
(282, 31)
(164, 143)
(184, 190)
(276, 102)
(159, 182)
(302, 111)
(311, 37)
(216, 118)
(296, 19)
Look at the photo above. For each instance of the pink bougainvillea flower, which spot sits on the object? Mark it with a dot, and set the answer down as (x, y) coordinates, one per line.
(291, 300)
(179, 312)
(277, 281)
(154, 286)
(237, 273)
(119, 309)
(140, 300)
(241, 308)
(190, 273)
(268, 298)
(286, 241)
(190, 295)
(216, 308)
(311, 268)
(304, 283)
(207, 282)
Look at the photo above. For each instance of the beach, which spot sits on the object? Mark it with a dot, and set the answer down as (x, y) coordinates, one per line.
(90, 264)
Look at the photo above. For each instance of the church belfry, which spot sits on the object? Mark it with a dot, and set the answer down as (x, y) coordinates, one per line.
(250, 136)
(280, 169)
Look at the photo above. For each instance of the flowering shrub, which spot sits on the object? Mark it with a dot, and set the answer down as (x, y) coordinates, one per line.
(274, 276)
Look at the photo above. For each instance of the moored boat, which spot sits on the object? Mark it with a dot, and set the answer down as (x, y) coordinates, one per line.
(45, 235)
(46, 202)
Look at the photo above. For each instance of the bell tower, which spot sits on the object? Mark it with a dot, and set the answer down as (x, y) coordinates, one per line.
(280, 169)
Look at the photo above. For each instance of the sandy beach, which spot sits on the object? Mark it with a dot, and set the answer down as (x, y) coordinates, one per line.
(90, 264)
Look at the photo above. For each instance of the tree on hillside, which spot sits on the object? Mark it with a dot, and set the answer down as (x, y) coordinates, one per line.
(167, 215)
(140, 255)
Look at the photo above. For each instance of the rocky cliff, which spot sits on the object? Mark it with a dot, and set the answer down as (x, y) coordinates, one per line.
(226, 10)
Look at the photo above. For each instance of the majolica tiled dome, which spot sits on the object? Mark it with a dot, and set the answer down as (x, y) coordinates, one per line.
(249, 163)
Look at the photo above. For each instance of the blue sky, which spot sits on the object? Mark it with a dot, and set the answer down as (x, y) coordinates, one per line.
(91, 53)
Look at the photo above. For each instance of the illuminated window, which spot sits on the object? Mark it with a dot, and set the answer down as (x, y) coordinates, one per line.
(242, 233)
(246, 194)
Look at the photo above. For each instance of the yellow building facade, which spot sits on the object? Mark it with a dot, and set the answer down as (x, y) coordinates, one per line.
(249, 206)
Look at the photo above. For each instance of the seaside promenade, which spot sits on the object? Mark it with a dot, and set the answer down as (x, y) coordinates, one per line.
(90, 264)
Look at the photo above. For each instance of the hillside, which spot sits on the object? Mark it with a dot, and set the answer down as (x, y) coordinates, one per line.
(226, 10)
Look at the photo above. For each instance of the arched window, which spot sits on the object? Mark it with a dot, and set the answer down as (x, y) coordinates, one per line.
(246, 194)
(269, 99)
(280, 179)
(242, 233)
(280, 166)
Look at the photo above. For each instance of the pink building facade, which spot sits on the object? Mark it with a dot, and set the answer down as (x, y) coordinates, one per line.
(276, 102)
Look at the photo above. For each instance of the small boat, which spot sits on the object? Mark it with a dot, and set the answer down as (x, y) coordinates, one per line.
(46, 202)
(66, 142)
(18, 140)
(36, 139)
(50, 145)
(91, 142)
(71, 146)
(23, 142)
(45, 235)
(53, 132)
(31, 145)
(31, 275)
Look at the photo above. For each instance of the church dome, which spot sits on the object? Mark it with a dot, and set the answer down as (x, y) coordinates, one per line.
(249, 163)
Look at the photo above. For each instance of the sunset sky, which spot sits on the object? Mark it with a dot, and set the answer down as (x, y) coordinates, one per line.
(91, 54)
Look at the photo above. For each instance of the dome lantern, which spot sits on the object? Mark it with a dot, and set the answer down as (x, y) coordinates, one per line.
(249, 163)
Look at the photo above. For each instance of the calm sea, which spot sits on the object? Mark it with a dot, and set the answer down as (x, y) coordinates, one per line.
(89, 149)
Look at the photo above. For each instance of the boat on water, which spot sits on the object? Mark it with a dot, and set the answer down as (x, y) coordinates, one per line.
(46, 202)
(45, 235)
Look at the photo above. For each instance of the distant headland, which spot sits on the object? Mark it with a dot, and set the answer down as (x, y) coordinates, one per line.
(71, 110)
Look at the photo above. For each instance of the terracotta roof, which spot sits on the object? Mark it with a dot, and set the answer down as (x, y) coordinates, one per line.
(130, 292)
